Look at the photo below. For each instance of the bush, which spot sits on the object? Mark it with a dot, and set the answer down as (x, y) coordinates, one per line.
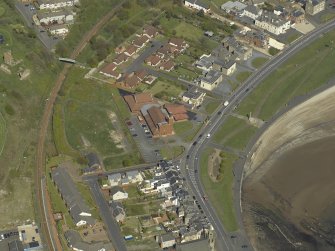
(273, 51)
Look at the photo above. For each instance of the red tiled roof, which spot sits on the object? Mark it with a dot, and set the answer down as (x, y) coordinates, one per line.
(177, 42)
(153, 60)
(141, 74)
(140, 41)
(131, 49)
(156, 115)
(167, 66)
(136, 101)
(150, 31)
(179, 117)
(131, 81)
(174, 109)
(120, 58)
(108, 68)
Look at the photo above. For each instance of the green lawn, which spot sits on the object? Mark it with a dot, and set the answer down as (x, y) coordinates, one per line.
(87, 196)
(297, 76)
(188, 31)
(242, 76)
(234, 133)
(166, 90)
(258, 62)
(327, 17)
(211, 106)
(171, 152)
(186, 130)
(220, 193)
(132, 191)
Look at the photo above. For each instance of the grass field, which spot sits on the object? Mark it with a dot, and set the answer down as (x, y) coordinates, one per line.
(242, 76)
(188, 31)
(234, 133)
(220, 193)
(3, 131)
(211, 106)
(186, 130)
(171, 152)
(258, 62)
(298, 76)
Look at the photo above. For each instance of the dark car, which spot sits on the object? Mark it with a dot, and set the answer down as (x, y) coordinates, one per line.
(135, 135)
(244, 246)
(194, 143)
(195, 171)
(187, 156)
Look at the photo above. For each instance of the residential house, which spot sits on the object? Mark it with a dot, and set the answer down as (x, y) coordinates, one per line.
(75, 242)
(110, 71)
(197, 5)
(255, 38)
(178, 112)
(190, 234)
(236, 48)
(167, 65)
(210, 80)
(159, 123)
(227, 67)
(153, 60)
(78, 209)
(130, 50)
(209, 33)
(131, 80)
(297, 16)
(272, 23)
(114, 179)
(234, 8)
(141, 74)
(55, 4)
(193, 97)
(136, 101)
(93, 160)
(124, 181)
(179, 44)
(60, 17)
(120, 58)
(117, 211)
(166, 240)
(140, 42)
(117, 193)
(134, 176)
(60, 29)
(150, 31)
(205, 62)
(161, 184)
(165, 51)
(252, 12)
(315, 6)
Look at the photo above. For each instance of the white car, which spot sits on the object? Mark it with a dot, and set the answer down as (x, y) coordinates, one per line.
(2, 237)
(208, 136)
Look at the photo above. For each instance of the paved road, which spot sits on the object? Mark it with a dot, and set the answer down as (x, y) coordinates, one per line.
(112, 226)
(225, 242)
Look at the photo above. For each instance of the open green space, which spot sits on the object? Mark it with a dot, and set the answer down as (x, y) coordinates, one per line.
(220, 193)
(137, 209)
(305, 71)
(212, 106)
(186, 130)
(171, 152)
(243, 76)
(166, 90)
(132, 191)
(188, 31)
(3, 131)
(327, 17)
(234, 133)
(2, 11)
(258, 62)
(87, 196)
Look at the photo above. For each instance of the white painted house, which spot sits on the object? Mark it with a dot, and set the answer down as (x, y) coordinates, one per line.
(59, 17)
(55, 4)
(60, 29)
(272, 23)
(114, 179)
(117, 193)
(197, 5)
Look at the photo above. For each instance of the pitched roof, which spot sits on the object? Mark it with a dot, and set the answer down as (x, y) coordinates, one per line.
(121, 58)
(153, 60)
(93, 160)
(141, 74)
(177, 41)
(168, 65)
(180, 116)
(156, 115)
(116, 189)
(136, 101)
(131, 49)
(140, 41)
(150, 30)
(131, 81)
(173, 109)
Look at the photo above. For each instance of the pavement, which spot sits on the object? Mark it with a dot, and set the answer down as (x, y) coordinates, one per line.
(224, 240)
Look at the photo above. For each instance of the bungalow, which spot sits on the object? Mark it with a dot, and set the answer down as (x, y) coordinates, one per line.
(164, 51)
(166, 240)
(153, 60)
(110, 71)
(55, 4)
(193, 97)
(134, 176)
(130, 50)
(210, 80)
(179, 43)
(117, 211)
(121, 58)
(114, 179)
(140, 42)
(60, 29)
(150, 31)
(55, 17)
(117, 193)
(167, 66)
(197, 5)
(141, 74)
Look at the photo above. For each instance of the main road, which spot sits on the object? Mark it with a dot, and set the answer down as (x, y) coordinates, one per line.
(224, 239)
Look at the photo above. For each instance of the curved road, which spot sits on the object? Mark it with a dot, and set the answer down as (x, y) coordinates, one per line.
(224, 240)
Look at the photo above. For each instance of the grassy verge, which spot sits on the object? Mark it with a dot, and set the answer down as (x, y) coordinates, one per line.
(86, 194)
(186, 130)
(258, 62)
(242, 76)
(211, 106)
(171, 152)
(220, 193)
(166, 90)
(2, 133)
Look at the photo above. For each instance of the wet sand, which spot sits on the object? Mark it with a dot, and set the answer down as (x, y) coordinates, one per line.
(288, 195)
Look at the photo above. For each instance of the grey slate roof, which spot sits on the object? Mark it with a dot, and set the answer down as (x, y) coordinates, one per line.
(198, 245)
(116, 189)
(211, 77)
(71, 196)
(93, 160)
(252, 9)
(192, 93)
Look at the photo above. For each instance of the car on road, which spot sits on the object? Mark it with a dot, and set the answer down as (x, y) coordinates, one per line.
(208, 136)
(2, 237)
(135, 135)
(194, 143)
(187, 156)
(195, 171)
(244, 246)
